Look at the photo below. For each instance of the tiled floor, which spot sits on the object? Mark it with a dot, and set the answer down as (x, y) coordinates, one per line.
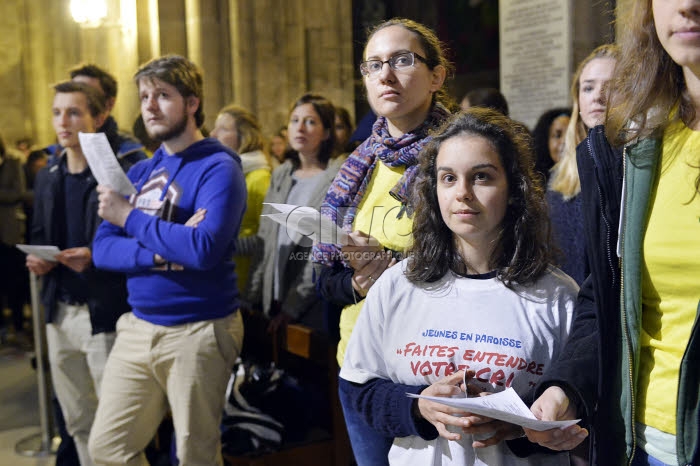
(19, 412)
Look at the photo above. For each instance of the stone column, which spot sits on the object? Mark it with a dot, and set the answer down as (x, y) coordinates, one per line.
(207, 45)
(542, 42)
(148, 30)
(49, 46)
(20, 109)
(261, 54)
(50, 43)
(303, 46)
(119, 53)
(535, 50)
(172, 27)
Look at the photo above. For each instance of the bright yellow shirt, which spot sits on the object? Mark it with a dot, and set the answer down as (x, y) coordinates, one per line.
(671, 277)
(376, 215)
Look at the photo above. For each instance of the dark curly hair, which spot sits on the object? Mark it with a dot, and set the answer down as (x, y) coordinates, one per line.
(522, 254)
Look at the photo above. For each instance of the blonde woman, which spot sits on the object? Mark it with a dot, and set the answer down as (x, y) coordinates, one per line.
(239, 129)
(588, 92)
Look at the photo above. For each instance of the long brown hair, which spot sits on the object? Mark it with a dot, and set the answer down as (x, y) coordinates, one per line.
(522, 254)
(647, 83)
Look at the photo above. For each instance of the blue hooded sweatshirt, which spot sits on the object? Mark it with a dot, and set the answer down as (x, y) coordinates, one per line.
(198, 282)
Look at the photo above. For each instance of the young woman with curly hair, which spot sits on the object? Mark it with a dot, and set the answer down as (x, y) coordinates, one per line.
(477, 290)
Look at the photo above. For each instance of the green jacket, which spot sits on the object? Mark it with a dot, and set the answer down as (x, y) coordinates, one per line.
(641, 172)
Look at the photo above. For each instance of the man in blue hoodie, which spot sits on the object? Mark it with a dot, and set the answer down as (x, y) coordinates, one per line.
(174, 239)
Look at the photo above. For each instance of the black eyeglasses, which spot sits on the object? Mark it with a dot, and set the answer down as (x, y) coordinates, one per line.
(400, 61)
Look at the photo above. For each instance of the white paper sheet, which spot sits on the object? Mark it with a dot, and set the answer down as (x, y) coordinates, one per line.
(47, 253)
(104, 164)
(307, 221)
(505, 406)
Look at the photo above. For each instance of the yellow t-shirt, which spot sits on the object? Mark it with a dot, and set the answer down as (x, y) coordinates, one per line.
(376, 215)
(671, 277)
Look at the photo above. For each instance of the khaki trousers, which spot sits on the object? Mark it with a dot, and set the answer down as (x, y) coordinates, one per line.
(153, 368)
(77, 359)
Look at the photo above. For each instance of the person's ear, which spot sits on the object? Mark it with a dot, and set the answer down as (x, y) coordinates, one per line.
(100, 119)
(192, 103)
(109, 104)
(439, 73)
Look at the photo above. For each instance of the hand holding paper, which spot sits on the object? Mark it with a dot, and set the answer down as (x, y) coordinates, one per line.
(554, 403)
(307, 222)
(77, 259)
(47, 253)
(438, 414)
(505, 406)
(113, 207)
(104, 164)
(40, 259)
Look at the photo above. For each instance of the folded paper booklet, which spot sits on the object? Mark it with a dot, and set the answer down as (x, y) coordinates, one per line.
(47, 253)
(505, 406)
(104, 164)
(307, 222)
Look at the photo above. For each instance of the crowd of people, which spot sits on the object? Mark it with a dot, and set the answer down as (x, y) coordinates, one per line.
(572, 250)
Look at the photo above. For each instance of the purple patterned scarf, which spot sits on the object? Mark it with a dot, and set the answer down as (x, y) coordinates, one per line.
(349, 186)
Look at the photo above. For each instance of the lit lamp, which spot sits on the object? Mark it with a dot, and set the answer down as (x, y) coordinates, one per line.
(88, 13)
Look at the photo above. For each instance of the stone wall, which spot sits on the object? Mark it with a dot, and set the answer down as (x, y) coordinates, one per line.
(276, 57)
(262, 54)
(14, 121)
(542, 43)
(259, 53)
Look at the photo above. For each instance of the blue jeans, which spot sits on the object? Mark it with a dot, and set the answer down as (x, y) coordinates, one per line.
(642, 458)
(369, 447)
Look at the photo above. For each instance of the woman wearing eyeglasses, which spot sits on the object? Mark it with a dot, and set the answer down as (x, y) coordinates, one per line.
(404, 70)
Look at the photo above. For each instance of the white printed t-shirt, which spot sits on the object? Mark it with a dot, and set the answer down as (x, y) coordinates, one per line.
(416, 335)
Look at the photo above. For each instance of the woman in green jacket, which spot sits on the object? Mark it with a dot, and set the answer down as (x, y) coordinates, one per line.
(639, 383)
